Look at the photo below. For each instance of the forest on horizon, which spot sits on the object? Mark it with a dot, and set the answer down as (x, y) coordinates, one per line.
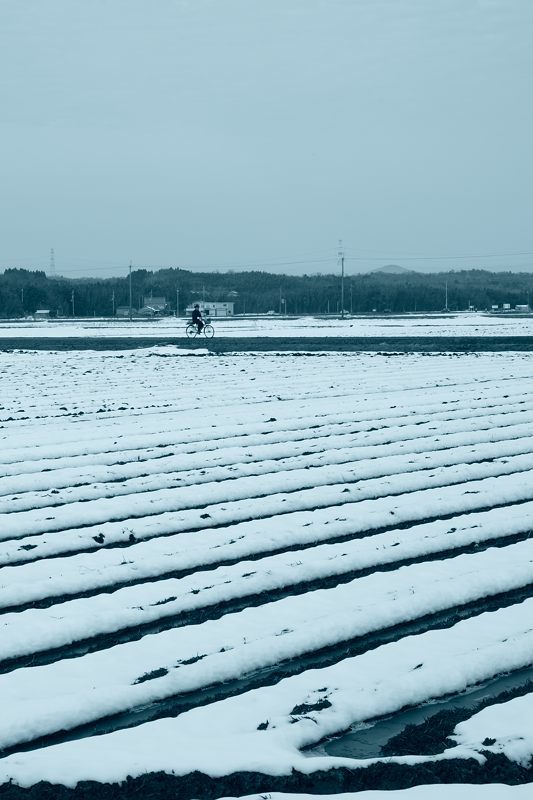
(22, 292)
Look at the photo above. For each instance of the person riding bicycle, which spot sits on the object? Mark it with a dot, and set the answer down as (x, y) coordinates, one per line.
(197, 318)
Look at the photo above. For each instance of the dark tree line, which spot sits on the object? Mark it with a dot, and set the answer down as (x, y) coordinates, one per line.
(22, 292)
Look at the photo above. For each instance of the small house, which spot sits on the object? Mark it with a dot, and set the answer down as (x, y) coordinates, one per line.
(153, 306)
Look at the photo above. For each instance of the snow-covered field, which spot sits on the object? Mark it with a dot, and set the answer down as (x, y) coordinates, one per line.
(461, 324)
(217, 563)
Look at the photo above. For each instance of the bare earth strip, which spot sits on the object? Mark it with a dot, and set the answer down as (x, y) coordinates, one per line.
(222, 344)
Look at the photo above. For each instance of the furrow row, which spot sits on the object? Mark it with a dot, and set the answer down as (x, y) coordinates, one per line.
(197, 507)
(72, 628)
(270, 461)
(72, 442)
(289, 635)
(45, 581)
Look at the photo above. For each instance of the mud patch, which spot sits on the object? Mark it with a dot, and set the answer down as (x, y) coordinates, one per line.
(424, 730)
(382, 776)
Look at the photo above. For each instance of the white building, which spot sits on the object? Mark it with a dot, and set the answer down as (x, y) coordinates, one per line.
(211, 309)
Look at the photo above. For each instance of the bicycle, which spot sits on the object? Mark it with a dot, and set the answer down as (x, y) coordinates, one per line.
(192, 330)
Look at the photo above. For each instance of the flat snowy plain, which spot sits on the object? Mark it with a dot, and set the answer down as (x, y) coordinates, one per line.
(459, 324)
(218, 564)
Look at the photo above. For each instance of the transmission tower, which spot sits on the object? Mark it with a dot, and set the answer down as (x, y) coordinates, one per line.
(52, 267)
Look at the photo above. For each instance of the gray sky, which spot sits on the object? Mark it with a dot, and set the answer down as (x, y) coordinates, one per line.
(234, 133)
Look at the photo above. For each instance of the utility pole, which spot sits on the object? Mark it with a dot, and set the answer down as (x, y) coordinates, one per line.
(113, 302)
(22, 298)
(72, 300)
(341, 260)
(351, 298)
(446, 297)
(280, 300)
(177, 302)
(131, 309)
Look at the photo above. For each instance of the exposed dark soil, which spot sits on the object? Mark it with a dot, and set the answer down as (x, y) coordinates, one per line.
(317, 659)
(312, 344)
(198, 786)
(321, 583)
(432, 736)
(217, 610)
(191, 506)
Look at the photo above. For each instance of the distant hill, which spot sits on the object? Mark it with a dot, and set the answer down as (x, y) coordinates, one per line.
(394, 269)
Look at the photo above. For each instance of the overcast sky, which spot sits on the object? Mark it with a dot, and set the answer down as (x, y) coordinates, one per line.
(236, 133)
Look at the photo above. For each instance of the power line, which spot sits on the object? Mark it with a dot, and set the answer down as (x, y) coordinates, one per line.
(281, 262)
(438, 258)
(200, 267)
(245, 264)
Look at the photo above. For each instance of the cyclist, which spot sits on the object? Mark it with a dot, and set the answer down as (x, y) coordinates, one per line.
(197, 318)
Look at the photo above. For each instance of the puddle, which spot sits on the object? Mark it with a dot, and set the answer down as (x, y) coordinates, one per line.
(366, 740)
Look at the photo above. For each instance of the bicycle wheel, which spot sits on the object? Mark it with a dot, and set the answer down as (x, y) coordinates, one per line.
(191, 330)
(209, 331)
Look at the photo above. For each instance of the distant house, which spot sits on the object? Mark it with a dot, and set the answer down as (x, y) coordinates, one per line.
(42, 313)
(523, 309)
(153, 306)
(211, 309)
